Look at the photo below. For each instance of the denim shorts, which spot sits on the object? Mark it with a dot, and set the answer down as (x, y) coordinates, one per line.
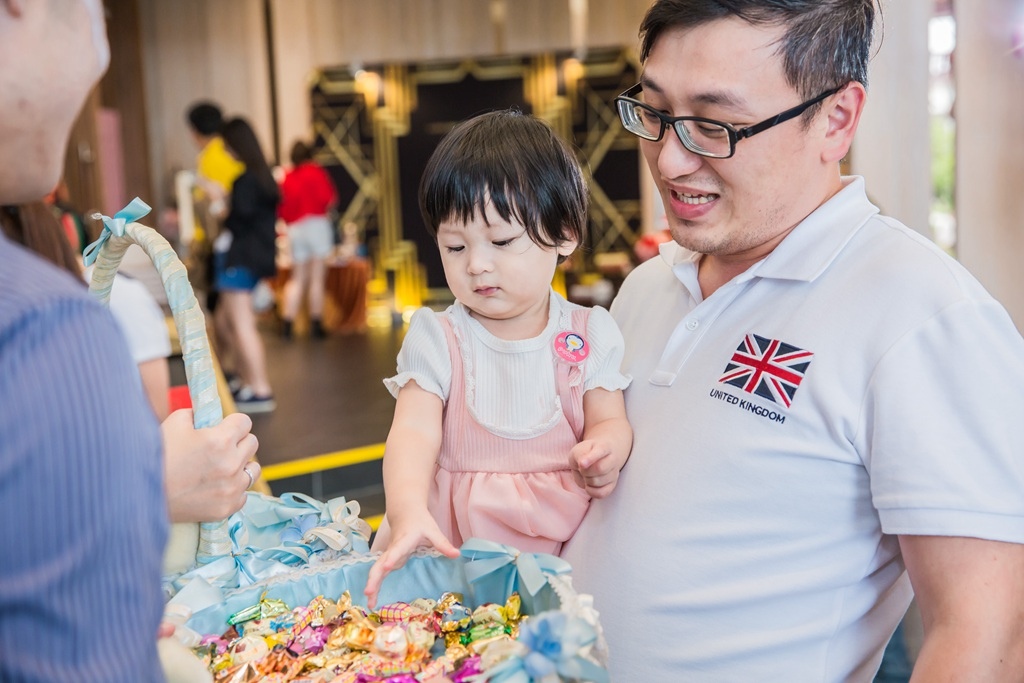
(311, 237)
(232, 278)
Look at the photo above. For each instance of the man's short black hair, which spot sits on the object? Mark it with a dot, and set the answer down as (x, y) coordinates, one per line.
(826, 43)
(206, 118)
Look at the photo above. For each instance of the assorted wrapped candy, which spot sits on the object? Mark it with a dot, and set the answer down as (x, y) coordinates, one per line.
(427, 640)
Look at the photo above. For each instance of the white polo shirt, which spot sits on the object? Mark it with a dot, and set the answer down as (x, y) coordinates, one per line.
(855, 384)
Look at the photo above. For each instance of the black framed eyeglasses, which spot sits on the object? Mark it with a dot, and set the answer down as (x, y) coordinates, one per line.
(706, 137)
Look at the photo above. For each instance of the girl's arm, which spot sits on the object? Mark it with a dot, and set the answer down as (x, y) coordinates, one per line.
(607, 440)
(410, 456)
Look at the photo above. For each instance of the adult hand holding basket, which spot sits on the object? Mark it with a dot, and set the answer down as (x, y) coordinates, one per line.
(190, 543)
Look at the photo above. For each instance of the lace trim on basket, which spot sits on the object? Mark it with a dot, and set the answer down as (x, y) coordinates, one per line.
(581, 605)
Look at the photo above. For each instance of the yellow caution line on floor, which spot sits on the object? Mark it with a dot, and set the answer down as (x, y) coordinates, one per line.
(374, 521)
(319, 463)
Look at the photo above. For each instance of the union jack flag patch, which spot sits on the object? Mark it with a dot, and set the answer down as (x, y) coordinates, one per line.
(768, 368)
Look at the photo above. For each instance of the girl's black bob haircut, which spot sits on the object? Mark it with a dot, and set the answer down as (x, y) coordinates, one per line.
(518, 164)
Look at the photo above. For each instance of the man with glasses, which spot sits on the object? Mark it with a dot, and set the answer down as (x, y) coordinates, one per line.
(826, 407)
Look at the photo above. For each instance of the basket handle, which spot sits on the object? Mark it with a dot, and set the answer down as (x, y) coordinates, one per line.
(119, 233)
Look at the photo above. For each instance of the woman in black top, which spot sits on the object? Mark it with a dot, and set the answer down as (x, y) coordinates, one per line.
(251, 220)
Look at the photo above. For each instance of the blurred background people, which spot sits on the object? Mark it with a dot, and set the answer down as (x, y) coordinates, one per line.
(216, 171)
(307, 197)
(249, 256)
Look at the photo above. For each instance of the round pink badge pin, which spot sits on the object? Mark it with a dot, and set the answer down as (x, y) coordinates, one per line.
(571, 348)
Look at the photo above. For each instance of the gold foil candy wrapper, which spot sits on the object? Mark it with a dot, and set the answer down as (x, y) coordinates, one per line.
(513, 609)
(323, 610)
(453, 639)
(449, 599)
(358, 633)
(247, 673)
(281, 661)
(318, 661)
(452, 614)
(456, 652)
(336, 640)
(355, 612)
(489, 612)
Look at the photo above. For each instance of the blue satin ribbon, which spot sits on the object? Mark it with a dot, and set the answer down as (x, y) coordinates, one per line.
(487, 557)
(135, 210)
(553, 641)
(287, 523)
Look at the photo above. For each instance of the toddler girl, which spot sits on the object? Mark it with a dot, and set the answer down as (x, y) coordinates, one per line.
(509, 413)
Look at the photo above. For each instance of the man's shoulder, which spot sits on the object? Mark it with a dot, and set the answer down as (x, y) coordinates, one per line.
(651, 271)
(904, 260)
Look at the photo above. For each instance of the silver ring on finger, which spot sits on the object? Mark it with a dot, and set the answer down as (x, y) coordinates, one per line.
(248, 473)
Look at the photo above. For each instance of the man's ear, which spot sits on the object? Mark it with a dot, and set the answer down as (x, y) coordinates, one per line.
(843, 117)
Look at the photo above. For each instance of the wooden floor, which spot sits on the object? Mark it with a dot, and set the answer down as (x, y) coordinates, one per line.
(330, 394)
(333, 413)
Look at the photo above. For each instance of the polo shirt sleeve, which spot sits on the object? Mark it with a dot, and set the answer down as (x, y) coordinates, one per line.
(82, 509)
(603, 369)
(945, 427)
(424, 357)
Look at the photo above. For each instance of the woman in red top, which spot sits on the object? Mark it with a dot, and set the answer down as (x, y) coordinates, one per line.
(307, 195)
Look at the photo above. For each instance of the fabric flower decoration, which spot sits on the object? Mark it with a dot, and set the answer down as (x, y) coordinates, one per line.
(294, 532)
(555, 641)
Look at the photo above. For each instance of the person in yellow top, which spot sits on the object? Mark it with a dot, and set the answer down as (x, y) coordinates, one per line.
(216, 172)
(216, 169)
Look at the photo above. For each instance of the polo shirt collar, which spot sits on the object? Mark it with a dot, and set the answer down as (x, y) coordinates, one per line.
(813, 244)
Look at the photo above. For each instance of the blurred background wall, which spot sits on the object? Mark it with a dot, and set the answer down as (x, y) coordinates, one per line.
(258, 58)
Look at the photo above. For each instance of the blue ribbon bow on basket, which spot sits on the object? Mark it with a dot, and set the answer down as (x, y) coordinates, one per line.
(520, 571)
(272, 536)
(115, 226)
